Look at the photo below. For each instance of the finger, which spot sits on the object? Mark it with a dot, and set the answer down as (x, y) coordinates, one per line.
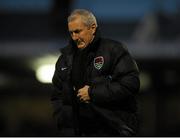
(82, 100)
(79, 94)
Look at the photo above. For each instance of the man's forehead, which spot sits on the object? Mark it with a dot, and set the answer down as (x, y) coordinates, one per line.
(75, 25)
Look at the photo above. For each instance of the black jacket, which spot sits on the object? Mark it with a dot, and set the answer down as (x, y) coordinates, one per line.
(114, 82)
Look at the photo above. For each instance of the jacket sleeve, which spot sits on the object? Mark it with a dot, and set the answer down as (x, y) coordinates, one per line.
(62, 111)
(120, 84)
(56, 96)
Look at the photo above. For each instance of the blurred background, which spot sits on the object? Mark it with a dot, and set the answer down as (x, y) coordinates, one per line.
(33, 31)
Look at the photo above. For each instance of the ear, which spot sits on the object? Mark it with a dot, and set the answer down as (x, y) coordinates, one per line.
(93, 27)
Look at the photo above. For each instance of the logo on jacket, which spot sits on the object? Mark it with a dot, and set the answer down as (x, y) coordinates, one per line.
(98, 62)
(63, 68)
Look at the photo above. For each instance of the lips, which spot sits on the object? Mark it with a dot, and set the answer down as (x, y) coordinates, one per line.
(80, 44)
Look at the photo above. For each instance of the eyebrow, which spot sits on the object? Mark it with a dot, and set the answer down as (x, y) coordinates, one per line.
(75, 31)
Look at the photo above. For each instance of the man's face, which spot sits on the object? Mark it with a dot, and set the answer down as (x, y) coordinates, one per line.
(80, 33)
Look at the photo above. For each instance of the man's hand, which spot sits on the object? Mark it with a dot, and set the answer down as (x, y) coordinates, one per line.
(83, 94)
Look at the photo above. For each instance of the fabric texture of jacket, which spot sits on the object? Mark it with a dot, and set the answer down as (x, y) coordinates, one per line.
(113, 77)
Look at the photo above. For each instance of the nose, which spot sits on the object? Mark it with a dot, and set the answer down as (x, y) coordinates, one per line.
(74, 36)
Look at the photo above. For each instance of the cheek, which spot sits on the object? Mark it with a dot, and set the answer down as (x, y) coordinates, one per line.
(86, 37)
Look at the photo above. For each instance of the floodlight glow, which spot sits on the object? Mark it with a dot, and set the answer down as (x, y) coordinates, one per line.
(45, 73)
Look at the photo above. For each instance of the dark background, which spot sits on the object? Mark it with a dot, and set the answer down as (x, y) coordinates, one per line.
(33, 30)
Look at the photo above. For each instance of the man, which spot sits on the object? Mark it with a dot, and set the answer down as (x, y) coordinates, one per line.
(95, 83)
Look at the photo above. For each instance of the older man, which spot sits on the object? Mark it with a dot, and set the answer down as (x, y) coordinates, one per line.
(95, 83)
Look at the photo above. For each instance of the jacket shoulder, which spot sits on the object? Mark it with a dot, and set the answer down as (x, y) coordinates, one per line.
(113, 45)
(67, 49)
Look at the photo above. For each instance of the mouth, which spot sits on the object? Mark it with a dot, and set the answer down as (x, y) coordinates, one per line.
(80, 44)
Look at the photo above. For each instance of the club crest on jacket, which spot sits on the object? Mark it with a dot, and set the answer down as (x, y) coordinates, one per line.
(98, 62)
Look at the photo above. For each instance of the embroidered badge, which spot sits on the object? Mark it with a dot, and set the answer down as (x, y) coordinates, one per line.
(98, 62)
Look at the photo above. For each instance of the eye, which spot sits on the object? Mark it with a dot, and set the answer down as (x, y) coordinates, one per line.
(77, 31)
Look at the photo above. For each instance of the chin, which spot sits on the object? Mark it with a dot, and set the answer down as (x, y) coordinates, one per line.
(81, 47)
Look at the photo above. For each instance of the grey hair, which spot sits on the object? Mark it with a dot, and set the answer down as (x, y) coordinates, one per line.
(87, 17)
